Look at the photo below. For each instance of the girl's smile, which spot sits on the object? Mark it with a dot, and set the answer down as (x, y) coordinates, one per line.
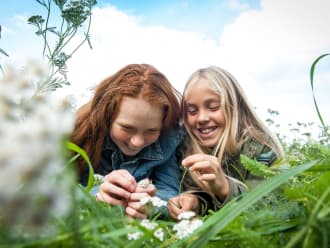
(204, 114)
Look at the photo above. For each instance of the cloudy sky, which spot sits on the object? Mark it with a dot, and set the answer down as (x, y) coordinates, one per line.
(268, 45)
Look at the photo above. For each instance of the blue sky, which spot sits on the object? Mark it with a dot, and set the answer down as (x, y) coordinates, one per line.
(268, 45)
(208, 16)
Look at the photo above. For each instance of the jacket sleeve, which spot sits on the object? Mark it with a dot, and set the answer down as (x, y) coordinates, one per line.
(166, 178)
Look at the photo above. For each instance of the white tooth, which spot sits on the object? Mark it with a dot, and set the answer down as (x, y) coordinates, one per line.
(206, 130)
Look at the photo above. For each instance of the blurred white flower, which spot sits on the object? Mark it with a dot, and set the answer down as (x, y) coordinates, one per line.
(98, 179)
(186, 227)
(134, 236)
(154, 200)
(148, 224)
(144, 183)
(187, 215)
(159, 234)
(33, 180)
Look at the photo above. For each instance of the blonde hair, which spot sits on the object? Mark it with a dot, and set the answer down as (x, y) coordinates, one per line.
(242, 122)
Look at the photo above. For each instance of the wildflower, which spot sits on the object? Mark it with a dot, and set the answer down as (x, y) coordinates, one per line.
(32, 128)
(186, 227)
(98, 179)
(154, 200)
(134, 236)
(159, 234)
(144, 183)
(148, 224)
(187, 215)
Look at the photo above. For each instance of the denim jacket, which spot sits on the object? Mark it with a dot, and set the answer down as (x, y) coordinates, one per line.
(159, 162)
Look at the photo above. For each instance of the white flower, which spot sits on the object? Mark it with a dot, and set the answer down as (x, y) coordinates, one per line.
(159, 234)
(98, 179)
(35, 185)
(145, 200)
(155, 201)
(134, 236)
(187, 215)
(186, 227)
(148, 224)
(144, 183)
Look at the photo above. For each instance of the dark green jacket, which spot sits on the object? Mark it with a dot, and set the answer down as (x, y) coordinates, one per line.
(236, 174)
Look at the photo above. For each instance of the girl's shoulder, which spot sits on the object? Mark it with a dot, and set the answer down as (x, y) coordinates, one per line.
(261, 152)
(171, 139)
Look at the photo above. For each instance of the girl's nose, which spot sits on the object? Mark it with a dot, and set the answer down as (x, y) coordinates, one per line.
(203, 116)
(137, 141)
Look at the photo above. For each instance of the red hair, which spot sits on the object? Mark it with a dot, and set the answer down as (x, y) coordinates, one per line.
(94, 119)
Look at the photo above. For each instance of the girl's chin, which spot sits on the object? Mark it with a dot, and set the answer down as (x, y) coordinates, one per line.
(209, 145)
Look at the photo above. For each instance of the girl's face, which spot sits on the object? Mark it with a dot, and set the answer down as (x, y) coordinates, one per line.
(137, 125)
(205, 117)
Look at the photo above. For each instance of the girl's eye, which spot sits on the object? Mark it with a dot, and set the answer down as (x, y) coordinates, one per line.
(191, 110)
(152, 131)
(214, 107)
(127, 129)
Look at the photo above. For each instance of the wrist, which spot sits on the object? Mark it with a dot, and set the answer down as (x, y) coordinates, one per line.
(223, 189)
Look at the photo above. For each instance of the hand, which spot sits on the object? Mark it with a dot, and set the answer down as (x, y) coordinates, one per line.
(117, 188)
(209, 173)
(134, 208)
(182, 203)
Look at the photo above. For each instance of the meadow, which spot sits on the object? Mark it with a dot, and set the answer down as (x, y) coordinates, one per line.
(42, 205)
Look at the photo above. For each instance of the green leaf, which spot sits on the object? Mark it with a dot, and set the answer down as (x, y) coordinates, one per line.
(312, 70)
(256, 168)
(224, 216)
(42, 2)
(73, 147)
(36, 19)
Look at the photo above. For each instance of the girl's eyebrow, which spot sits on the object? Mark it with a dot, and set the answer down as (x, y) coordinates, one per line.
(212, 100)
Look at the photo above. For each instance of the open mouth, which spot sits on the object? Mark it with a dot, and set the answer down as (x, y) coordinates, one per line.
(207, 132)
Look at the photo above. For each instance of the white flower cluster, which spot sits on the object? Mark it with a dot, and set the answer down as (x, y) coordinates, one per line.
(98, 179)
(33, 184)
(158, 232)
(187, 224)
(154, 200)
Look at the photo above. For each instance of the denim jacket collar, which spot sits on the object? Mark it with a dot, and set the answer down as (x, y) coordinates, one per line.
(151, 152)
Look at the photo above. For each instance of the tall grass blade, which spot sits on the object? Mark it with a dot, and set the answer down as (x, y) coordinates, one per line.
(223, 217)
(312, 70)
(73, 147)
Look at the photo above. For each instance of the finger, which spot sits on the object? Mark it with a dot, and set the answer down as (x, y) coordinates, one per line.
(190, 160)
(136, 205)
(134, 213)
(174, 207)
(114, 190)
(189, 202)
(139, 207)
(137, 196)
(202, 166)
(207, 177)
(110, 200)
(123, 179)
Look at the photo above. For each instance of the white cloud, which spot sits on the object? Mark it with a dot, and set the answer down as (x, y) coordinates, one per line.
(268, 50)
(118, 39)
(275, 47)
